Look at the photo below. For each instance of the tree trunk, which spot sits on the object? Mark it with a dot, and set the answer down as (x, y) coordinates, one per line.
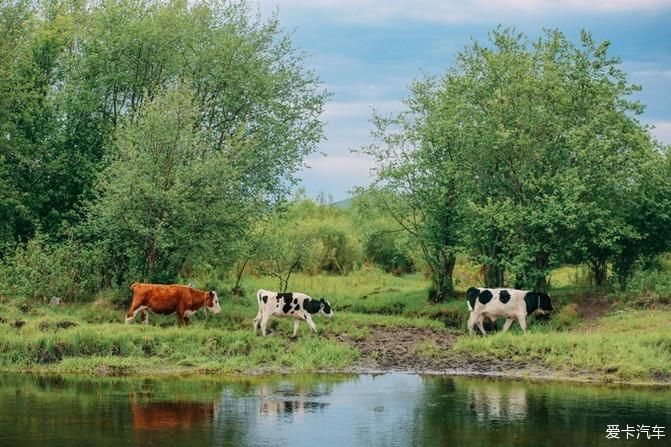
(599, 268)
(442, 286)
(493, 275)
(540, 280)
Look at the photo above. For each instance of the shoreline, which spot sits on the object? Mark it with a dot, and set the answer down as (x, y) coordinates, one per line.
(516, 375)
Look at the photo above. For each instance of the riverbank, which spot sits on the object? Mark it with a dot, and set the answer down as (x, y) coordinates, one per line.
(393, 329)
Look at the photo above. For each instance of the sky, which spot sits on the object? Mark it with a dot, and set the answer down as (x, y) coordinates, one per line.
(367, 53)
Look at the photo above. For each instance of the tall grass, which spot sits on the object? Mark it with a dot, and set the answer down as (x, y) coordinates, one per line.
(628, 346)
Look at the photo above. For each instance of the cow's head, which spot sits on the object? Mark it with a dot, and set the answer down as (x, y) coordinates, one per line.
(325, 308)
(472, 295)
(545, 303)
(213, 302)
(538, 302)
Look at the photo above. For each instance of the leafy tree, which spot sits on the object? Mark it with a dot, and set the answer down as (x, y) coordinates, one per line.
(418, 183)
(526, 154)
(74, 72)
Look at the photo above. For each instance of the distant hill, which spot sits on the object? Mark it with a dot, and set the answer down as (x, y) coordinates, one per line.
(342, 204)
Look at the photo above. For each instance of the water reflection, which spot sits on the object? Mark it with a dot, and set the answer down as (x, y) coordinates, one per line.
(171, 415)
(392, 409)
(492, 401)
(290, 399)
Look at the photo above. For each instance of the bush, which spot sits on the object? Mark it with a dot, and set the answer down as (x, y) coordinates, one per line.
(39, 270)
(384, 251)
(648, 286)
(567, 316)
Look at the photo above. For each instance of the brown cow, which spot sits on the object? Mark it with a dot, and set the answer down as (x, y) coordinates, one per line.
(166, 299)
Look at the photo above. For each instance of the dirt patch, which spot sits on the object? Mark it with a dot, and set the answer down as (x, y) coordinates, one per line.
(592, 306)
(401, 349)
(429, 351)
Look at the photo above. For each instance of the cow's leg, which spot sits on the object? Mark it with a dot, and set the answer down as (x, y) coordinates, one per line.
(186, 320)
(506, 326)
(145, 316)
(471, 323)
(480, 326)
(308, 320)
(296, 324)
(257, 320)
(134, 310)
(523, 322)
(180, 316)
(264, 322)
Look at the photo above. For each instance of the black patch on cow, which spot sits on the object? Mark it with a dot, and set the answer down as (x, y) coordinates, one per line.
(312, 306)
(504, 296)
(485, 296)
(295, 300)
(327, 306)
(545, 302)
(472, 295)
(265, 298)
(288, 300)
(298, 307)
(531, 298)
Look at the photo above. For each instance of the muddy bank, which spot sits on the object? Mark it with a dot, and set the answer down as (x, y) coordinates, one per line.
(429, 351)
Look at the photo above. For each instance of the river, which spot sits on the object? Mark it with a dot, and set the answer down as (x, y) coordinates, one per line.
(320, 410)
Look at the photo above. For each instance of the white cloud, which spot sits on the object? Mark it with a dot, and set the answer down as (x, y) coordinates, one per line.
(341, 165)
(336, 175)
(662, 131)
(456, 11)
(358, 109)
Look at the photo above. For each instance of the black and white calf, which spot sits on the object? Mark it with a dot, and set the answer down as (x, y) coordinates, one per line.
(512, 304)
(298, 306)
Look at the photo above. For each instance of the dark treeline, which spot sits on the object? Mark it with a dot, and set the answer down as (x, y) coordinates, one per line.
(145, 140)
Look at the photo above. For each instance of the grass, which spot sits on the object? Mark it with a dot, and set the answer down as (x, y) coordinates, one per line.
(90, 338)
(630, 346)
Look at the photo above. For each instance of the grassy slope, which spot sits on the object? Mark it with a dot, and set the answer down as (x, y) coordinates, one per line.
(90, 338)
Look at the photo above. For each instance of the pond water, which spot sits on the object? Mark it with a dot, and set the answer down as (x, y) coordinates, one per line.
(361, 410)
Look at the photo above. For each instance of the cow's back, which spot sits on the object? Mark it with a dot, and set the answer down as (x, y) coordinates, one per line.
(161, 298)
(494, 307)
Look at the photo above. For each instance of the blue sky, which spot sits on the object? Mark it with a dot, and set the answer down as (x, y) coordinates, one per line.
(367, 52)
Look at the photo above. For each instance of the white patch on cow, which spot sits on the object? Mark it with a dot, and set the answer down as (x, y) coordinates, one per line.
(215, 308)
(188, 313)
(138, 310)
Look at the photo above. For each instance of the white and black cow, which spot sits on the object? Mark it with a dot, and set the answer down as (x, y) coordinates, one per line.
(298, 306)
(512, 304)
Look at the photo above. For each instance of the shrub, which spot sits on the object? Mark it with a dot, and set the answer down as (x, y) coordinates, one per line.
(648, 286)
(384, 251)
(39, 270)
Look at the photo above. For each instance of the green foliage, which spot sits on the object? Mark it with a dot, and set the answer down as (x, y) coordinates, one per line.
(525, 155)
(164, 186)
(40, 270)
(385, 243)
(79, 88)
(307, 237)
(646, 287)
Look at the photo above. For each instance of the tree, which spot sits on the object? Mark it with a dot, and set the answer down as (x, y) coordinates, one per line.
(74, 72)
(536, 148)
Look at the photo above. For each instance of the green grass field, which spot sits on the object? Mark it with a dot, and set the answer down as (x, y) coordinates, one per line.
(624, 345)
